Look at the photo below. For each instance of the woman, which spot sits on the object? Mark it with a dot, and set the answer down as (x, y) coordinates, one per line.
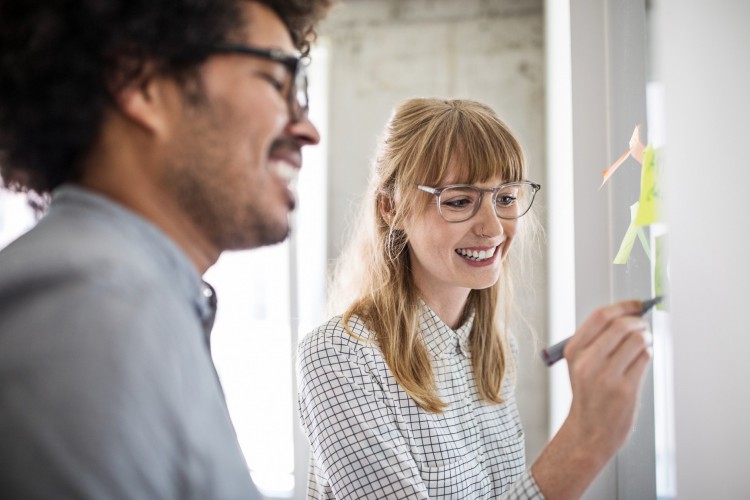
(410, 393)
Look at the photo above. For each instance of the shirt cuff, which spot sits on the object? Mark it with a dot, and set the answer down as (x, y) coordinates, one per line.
(525, 488)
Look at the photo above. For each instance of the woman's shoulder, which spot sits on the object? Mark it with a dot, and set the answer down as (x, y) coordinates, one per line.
(332, 356)
(334, 335)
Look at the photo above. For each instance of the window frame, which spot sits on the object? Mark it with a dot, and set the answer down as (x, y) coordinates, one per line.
(597, 60)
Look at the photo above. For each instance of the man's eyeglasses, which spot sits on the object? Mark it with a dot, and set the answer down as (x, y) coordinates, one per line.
(297, 94)
(459, 202)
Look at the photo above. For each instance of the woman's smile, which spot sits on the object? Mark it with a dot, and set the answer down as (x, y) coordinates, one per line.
(478, 255)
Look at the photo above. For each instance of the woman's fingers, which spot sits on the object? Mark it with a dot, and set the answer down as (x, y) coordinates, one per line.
(634, 344)
(607, 358)
(611, 339)
(634, 372)
(591, 329)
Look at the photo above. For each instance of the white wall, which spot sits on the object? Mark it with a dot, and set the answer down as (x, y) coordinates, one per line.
(704, 62)
(384, 51)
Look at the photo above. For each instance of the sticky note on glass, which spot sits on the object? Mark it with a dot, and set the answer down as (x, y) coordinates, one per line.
(627, 242)
(649, 207)
(629, 239)
(635, 150)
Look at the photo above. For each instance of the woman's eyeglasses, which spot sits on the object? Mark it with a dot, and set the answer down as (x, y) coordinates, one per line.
(460, 202)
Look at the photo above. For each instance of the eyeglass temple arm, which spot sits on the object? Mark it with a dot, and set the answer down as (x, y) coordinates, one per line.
(428, 189)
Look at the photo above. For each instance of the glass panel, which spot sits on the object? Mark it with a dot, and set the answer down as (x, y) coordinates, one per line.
(251, 345)
(663, 384)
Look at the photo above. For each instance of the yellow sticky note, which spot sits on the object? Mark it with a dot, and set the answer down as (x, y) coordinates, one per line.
(627, 242)
(649, 207)
(644, 241)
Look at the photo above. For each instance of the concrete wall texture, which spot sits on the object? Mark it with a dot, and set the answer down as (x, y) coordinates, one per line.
(383, 51)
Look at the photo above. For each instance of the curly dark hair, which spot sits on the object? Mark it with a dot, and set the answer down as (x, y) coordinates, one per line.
(58, 59)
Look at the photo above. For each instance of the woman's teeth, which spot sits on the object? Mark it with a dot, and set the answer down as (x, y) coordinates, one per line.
(476, 255)
(284, 170)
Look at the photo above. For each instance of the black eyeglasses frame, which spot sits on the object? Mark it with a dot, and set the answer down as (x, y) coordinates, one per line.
(294, 64)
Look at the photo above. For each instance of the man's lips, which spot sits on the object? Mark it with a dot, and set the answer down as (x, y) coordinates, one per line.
(287, 150)
(285, 160)
(285, 170)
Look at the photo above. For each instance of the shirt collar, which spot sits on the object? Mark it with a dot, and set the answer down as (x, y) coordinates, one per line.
(439, 338)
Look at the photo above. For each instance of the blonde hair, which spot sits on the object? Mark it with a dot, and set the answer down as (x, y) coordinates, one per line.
(373, 279)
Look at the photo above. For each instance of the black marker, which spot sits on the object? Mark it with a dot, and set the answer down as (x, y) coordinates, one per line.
(554, 353)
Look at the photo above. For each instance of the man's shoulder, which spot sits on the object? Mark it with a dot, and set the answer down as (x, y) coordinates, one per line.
(54, 285)
(61, 238)
(62, 251)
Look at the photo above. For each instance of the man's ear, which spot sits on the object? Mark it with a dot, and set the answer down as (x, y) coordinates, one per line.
(147, 98)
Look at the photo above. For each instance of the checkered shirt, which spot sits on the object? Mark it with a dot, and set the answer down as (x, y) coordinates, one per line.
(369, 439)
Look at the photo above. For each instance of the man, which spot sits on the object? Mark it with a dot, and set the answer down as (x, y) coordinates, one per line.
(166, 133)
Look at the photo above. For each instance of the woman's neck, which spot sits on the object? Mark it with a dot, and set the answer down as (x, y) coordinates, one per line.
(449, 307)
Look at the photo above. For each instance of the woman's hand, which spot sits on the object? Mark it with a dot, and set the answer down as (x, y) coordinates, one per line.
(607, 359)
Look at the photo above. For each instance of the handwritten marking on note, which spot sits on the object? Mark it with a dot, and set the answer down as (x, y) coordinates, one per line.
(649, 208)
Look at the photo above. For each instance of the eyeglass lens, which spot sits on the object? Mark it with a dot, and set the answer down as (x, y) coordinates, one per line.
(299, 102)
(461, 203)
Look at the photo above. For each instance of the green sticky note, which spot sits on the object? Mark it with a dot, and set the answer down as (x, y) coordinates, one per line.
(661, 275)
(644, 241)
(649, 208)
(627, 242)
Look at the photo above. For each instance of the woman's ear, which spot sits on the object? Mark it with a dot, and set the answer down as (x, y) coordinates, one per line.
(385, 204)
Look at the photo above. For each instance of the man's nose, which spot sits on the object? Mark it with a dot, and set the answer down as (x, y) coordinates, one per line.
(304, 132)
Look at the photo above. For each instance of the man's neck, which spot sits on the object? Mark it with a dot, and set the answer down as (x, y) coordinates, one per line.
(126, 169)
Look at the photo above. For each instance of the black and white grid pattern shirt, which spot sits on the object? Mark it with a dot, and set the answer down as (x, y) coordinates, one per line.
(371, 440)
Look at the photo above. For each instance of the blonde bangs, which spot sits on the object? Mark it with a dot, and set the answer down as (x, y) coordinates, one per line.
(465, 132)
(487, 149)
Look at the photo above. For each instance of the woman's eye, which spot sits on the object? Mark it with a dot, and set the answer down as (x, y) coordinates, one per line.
(505, 200)
(458, 203)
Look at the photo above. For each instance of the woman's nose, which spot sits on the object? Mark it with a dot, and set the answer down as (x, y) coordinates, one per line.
(487, 221)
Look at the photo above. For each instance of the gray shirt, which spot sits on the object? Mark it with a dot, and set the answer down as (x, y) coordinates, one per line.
(107, 388)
